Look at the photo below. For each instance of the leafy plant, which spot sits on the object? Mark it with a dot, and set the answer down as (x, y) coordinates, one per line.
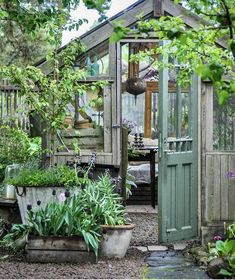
(54, 176)
(226, 251)
(17, 147)
(81, 214)
(129, 183)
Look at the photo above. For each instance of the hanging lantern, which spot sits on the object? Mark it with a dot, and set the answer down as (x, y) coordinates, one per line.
(135, 85)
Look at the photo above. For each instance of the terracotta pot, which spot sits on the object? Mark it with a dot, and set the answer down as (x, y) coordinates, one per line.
(116, 240)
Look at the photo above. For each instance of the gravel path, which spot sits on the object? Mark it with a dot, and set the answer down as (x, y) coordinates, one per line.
(130, 267)
(146, 230)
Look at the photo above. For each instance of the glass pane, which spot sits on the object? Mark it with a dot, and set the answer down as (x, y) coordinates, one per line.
(178, 108)
(96, 61)
(139, 88)
(224, 125)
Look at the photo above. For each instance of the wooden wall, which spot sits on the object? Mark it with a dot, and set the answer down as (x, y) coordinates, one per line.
(12, 106)
(217, 194)
(220, 190)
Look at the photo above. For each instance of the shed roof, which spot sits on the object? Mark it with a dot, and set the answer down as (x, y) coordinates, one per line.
(103, 31)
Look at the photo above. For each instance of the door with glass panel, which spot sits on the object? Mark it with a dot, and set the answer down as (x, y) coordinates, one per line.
(177, 184)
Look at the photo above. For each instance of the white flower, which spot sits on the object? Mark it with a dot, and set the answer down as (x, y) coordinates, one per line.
(62, 197)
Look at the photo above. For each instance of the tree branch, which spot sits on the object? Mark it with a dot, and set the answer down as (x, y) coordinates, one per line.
(230, 23)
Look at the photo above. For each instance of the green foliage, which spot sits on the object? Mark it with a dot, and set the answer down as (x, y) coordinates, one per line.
(56, 90)
(51, 177)
(79, 214)
(130, 182)
(16, 147)
(226, 251)
(197, 48)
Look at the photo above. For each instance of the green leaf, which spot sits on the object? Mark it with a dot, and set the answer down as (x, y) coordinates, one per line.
(225, 272)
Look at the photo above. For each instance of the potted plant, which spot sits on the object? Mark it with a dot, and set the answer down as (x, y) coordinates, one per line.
(34, 185)
(92, 211)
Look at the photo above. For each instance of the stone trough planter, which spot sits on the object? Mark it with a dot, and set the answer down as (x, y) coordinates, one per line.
(30, 195)
(58, 249)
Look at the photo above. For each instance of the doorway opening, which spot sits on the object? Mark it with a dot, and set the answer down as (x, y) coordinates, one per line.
(162, 141)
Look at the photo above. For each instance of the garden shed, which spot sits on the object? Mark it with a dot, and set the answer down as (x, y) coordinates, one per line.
(188, 139)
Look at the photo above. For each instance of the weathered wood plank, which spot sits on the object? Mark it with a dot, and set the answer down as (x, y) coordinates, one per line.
(46, 256)
(224, 187)
(102, 158)
(82, 132)
(56, 243)
(148, 114)
(206, 112)
(113, 73)
(124, 162)
(158, 10)
(108, 120)
(118, 106)
(209, 192)
(231, 186)
(217, 192)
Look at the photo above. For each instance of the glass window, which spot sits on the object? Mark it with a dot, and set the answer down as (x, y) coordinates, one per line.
(139, 87)
(224, 125)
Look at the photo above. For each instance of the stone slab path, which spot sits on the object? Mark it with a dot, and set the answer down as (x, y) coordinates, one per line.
(172, 265)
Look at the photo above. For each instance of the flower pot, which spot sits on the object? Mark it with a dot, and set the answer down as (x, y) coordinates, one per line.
(30, 195)
(58, 249)
(116, 240)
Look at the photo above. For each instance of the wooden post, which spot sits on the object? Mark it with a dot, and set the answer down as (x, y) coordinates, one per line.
(124, 163)
(206, 142)
(148, 114)
(158, 10)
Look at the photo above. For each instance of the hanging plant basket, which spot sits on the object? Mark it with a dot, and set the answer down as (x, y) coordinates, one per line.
(135, 85)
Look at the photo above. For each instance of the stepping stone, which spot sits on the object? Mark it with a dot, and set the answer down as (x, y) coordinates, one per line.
(142, 248)
(172, 265)
(157, 248)
(180, 246)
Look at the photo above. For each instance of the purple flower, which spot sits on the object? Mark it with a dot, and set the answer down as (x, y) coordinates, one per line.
(231, 174)
(62, 197)
(83, 186)
(80, 174)
(39, 202)
(128, 124)
(67, 194)
(217, 237)
(90, 175)
(29, 207)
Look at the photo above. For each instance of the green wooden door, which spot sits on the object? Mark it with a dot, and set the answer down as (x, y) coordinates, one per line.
(177, 185)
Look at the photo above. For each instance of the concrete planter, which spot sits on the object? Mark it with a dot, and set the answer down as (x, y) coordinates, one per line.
(30, 195)
(116, 240)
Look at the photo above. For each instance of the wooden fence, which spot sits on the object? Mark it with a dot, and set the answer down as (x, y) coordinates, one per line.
(220, 189)
(12, 106)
